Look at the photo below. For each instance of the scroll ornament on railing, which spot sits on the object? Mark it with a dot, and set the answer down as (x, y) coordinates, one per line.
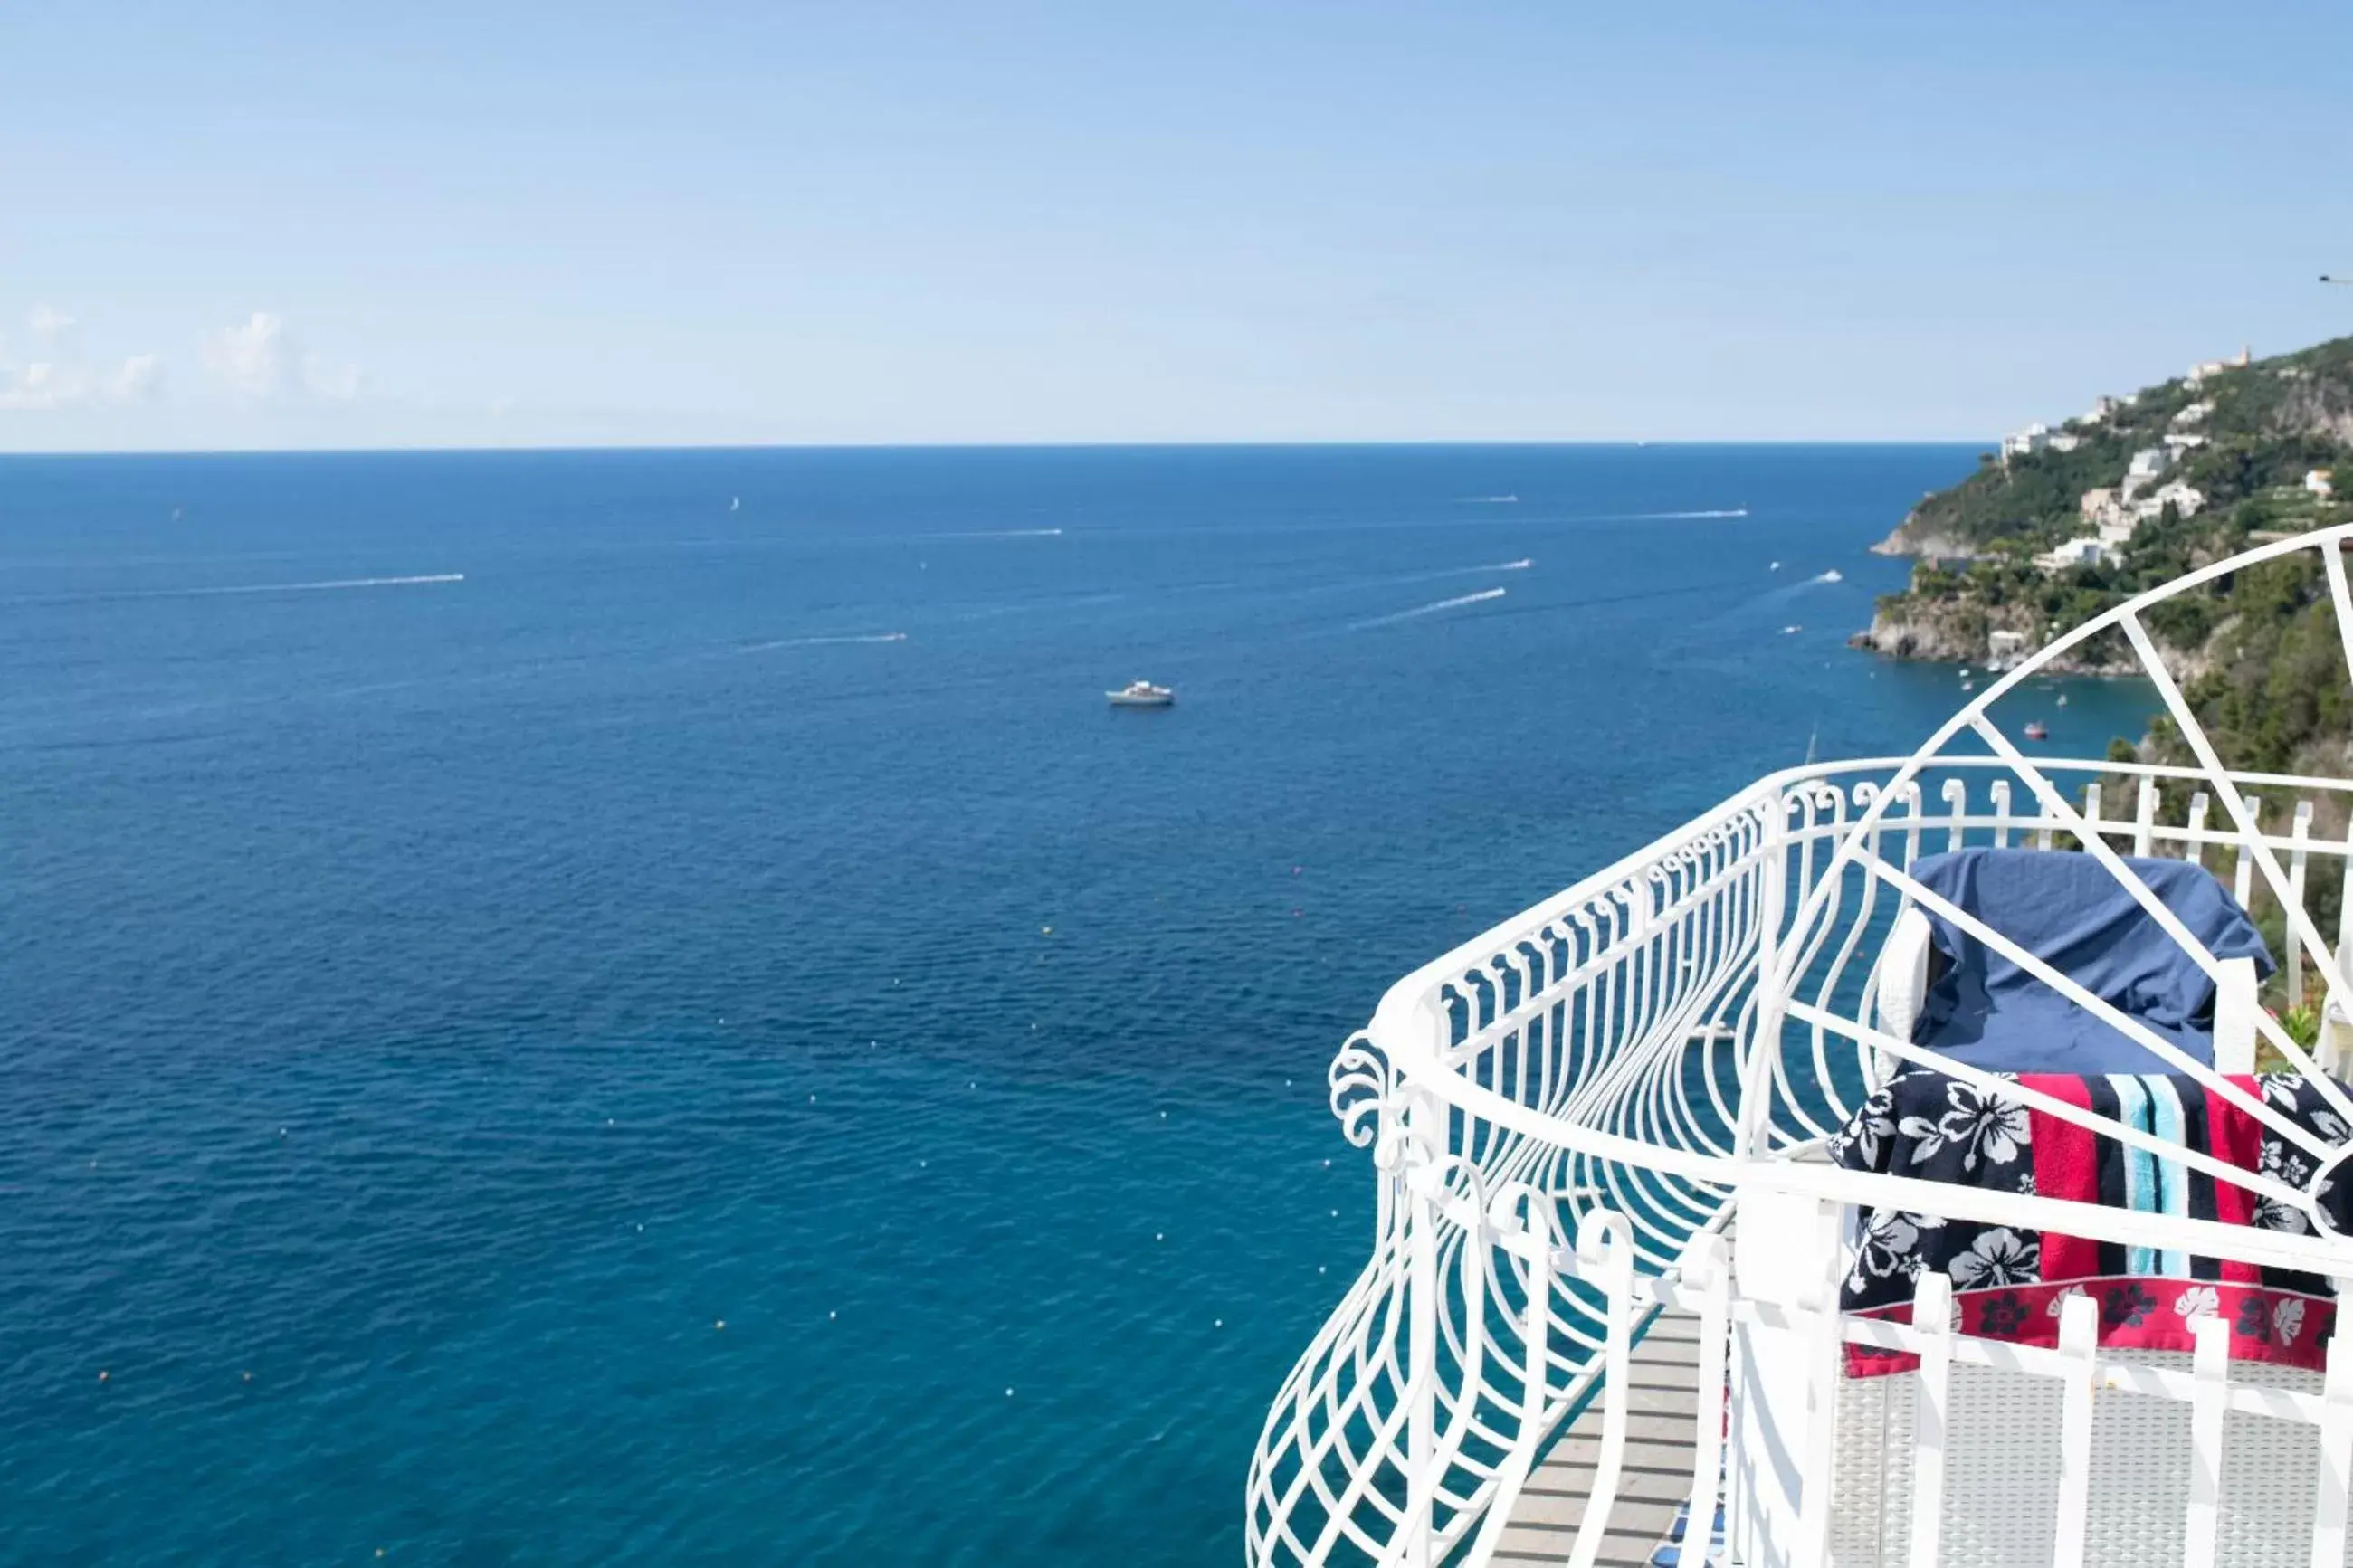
(1364, 1090)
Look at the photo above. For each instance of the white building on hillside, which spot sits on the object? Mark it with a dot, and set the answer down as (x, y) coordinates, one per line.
(2088, 551)
(2320, 482)
(2148, 465)
(2033, 438)
(2183, 498)
(2199, 372)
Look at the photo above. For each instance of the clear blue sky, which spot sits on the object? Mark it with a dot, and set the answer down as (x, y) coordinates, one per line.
(244, 225)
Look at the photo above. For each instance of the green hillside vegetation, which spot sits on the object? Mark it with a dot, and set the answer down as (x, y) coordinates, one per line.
(2272, 422)
(2258, 651)
(2258, 654)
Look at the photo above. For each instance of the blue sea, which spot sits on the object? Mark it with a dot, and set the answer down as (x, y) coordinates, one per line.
(642, 1008)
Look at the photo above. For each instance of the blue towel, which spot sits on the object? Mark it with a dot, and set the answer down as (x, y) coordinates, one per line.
(2065, 909)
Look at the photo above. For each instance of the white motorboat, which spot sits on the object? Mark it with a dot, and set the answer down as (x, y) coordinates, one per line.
(1142, 694)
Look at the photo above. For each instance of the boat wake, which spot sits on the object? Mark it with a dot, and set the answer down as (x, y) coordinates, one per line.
(1787, 594)
(1700, 514)
(318, 587)
(1480, 597)
(331, 586)
(998, 534)
(1486, 500)
(1522, 564)
(822, 642)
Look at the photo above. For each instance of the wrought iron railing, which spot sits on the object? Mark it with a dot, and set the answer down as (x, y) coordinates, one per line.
(1569, 1103)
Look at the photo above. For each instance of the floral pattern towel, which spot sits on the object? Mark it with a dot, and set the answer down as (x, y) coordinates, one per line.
(2011, 1284)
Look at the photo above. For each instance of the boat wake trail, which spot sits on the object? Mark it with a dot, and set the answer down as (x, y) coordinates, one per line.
(1486, 500)
(1787, 594)
(998, 534)
(323, 587)
(340, 582)
(1480, 597)
(1522, 564)
(822, 642)
(1664, 516)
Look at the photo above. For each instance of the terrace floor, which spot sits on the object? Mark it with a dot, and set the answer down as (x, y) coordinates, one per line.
(1657, 1477)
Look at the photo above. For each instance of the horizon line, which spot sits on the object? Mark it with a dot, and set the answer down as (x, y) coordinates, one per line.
(428, 449)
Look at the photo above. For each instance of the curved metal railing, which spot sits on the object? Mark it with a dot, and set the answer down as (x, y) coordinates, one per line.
(1629, 1053)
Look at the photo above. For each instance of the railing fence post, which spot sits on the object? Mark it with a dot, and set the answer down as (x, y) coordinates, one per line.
(2079, 1340)
(1756, 1074)
(1419, 1526)
(1605, 1255)
(2335, 1447)
(1931, 1317)
(1825, 1350)
(1709, 1269)
(2243, 880)
(2300, 833)
(2330, 1058)
(1527, 1217)
(1955, 795)
(2211, 1365)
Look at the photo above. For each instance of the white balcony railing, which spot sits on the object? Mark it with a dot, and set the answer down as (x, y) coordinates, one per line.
(1566, 1113)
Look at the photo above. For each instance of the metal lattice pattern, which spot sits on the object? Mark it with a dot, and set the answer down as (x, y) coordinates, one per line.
(1572, 1098)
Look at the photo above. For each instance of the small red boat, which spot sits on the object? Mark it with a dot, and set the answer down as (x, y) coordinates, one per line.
(2035, 732)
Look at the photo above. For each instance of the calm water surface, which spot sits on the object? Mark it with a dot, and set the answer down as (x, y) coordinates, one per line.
(432, 1008)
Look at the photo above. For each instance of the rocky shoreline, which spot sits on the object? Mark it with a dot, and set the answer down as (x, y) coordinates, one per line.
(1904, 541)
(1963, 635)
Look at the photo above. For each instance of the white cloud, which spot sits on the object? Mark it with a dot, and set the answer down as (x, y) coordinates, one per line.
(46, 383)
(257, 382)
(28, 387)
(56, 377)
(257, 360)
(260, 361)
(49, 325)
(141, 380)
